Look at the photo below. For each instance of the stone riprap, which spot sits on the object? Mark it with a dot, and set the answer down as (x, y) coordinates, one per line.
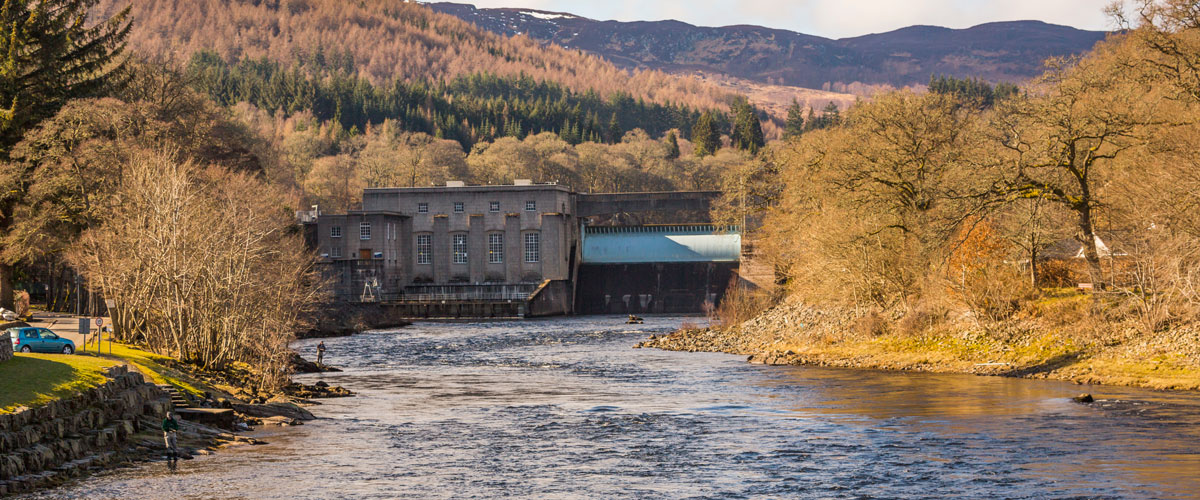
(68, 437)
(6, 352)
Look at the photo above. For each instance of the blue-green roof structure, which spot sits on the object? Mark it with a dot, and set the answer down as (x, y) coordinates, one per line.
(660, 244)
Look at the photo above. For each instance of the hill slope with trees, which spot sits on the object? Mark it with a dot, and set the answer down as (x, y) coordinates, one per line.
(997, 52)
(382, 41)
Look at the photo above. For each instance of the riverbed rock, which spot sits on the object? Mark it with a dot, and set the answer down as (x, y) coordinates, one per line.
(301, 365)
(319, 390)
(280, 421)
(266, 410)
(1083, 398)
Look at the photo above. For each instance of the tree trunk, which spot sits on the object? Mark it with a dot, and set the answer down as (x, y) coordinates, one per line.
(6, 288)
(1033, 253)
(1090, 252)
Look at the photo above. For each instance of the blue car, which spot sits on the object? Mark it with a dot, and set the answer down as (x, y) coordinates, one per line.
(31, 339)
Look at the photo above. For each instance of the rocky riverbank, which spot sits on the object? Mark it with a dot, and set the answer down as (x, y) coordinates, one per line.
(339, 320)
(114, 423)
(794, 333)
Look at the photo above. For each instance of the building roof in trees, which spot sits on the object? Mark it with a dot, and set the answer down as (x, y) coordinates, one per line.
(1072, 248)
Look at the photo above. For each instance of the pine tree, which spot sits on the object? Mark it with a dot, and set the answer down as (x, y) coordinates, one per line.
(50, 54)
(831, 115)
(747, 132)
(794, 126)
(672, 146)
(705, 135)
(614, 130)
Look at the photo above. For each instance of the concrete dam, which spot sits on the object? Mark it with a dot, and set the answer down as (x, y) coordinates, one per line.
(524, 250)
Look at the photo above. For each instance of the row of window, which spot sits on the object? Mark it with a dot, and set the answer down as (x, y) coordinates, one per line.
(364, 228)
(495, 248)
(493, 206)
(458, 248)
(364, 231)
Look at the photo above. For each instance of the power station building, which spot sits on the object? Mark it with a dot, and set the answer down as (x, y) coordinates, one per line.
(517, 250)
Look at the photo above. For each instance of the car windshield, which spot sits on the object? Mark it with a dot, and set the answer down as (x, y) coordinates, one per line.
(47, 334)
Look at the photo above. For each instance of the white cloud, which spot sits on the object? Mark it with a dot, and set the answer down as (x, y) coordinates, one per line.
(831, 18)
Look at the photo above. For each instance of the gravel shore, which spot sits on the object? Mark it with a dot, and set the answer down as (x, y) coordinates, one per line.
(793, 333)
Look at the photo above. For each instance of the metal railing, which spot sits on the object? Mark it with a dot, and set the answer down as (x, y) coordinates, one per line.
(462, 296)
(491, 293)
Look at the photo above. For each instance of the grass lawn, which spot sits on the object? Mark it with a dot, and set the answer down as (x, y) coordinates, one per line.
(33, 379)
(152, 366)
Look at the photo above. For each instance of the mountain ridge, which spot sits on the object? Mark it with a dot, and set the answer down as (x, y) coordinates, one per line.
(1009, 51)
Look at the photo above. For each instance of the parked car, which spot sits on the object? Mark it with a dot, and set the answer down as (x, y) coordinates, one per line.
(32, 339)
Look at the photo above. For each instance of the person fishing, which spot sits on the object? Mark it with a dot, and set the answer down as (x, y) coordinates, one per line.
(321, 353)
(170, 427)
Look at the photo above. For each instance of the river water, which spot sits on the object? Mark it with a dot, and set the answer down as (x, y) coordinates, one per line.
(564, 408)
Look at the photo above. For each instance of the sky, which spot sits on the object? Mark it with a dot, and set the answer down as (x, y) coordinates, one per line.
(829, 18)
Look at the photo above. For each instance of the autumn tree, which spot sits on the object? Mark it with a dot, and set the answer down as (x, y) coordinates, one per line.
(228, 278)
(51, 54)
(1169, 30)
(878, 198)
(1067, 142)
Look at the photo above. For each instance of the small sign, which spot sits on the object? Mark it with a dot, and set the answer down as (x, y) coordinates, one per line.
(85, 326)
(99, 322)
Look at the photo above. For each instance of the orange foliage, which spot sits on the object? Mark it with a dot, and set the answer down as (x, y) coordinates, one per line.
(388, 39)
(975, 246)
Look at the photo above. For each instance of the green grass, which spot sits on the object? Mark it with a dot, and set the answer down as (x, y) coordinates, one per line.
(34, 379)
(153, 366)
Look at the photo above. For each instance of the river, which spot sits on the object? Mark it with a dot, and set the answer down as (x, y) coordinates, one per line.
(564, 408)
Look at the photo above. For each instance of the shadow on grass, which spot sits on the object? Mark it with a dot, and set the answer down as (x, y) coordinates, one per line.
(1060, 361)
(26, 380)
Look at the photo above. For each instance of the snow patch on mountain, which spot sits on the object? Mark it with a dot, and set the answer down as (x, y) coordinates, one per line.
(546, 15)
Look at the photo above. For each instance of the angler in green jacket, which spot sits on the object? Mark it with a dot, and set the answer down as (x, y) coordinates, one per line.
(170, 426)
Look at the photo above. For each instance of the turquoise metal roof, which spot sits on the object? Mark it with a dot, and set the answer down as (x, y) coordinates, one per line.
(647, 244)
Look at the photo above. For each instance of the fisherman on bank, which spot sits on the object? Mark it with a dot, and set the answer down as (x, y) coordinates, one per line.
(170, 427)
(321, 353)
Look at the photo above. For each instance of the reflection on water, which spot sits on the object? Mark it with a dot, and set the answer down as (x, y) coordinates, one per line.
(565, 409)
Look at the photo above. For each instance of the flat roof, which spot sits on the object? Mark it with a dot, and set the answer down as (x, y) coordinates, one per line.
(352, 213)
(459, 189)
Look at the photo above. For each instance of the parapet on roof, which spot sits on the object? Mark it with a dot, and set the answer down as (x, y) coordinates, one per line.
(460, 186)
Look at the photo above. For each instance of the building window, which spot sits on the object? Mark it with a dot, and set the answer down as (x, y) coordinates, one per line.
(422, 208)
(459, 248)
(531, 206)
(335, 232)
(424, 249)
(496, 248)
(364, 230)
(533, 247)
(494, 206)
(335, 252)
(458, 207)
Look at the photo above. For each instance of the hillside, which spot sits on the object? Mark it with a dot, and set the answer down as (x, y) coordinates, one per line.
(383, 41)
(1003, 51)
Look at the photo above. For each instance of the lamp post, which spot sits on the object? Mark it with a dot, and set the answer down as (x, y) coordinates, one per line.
(109, 304)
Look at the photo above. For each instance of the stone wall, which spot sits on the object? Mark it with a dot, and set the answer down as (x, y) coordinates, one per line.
(42, 446)
(6, 352)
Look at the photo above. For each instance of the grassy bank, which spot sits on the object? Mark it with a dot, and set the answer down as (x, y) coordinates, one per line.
(156, 368)
(34, 379)
(1028, 346)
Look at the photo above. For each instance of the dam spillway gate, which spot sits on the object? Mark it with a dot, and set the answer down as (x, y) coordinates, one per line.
(655, 269)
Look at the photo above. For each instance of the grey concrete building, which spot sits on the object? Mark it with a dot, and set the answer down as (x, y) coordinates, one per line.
(362, 253)
(455, 242)
(520, 250)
